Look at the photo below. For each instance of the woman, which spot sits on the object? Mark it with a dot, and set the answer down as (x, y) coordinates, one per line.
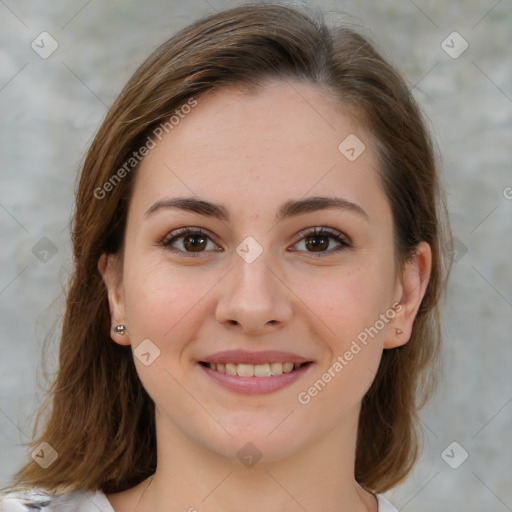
(254, 309)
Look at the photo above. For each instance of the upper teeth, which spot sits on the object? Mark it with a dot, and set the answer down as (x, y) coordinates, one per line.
(254, 370)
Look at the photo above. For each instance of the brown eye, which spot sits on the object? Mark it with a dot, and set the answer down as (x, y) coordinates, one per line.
(322, 242)
(189, 241)
(195, 243)
(317, 243)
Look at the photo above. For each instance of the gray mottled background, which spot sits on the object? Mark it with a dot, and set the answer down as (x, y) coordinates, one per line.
(51, 107)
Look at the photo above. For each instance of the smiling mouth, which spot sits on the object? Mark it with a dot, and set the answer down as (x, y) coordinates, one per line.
(254, 370)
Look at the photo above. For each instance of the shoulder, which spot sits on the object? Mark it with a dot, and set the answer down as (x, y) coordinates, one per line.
(385, 505)
(34, 500)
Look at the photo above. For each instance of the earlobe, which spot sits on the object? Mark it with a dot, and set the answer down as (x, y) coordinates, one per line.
(413, 286)
(109, 266)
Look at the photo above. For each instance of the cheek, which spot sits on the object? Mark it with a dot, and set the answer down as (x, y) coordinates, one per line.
(163, 305)
(349, 299)
(351, 307)
(160, 297)
(354, 346)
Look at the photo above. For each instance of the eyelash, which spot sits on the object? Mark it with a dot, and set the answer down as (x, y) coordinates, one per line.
(343, 241)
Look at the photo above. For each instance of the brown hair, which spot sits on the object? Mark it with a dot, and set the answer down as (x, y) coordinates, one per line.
(102, 420)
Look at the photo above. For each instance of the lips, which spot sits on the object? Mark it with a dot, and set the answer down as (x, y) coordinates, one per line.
(255, 372)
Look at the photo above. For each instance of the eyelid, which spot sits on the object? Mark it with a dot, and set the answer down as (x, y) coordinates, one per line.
(323, 230)
(175, 233)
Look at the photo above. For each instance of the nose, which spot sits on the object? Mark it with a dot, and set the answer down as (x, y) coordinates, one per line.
(254, 298)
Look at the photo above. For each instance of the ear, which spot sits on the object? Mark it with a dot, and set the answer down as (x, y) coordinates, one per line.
(411, 287)
(110, 268)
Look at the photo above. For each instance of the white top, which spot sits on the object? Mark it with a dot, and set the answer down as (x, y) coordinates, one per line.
(84, 501)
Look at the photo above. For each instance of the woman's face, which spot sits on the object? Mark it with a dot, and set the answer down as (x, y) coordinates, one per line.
(268, 270)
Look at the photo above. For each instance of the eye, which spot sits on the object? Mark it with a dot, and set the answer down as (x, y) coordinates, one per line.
(319, 240)
(192, 241)
(195, 241)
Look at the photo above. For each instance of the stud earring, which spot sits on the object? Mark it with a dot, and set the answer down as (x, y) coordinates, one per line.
(398, 331)
(120, 329)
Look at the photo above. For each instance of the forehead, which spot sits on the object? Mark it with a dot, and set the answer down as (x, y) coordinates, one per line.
(278, 142)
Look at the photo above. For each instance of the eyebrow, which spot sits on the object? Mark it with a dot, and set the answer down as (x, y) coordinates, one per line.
(290, 208)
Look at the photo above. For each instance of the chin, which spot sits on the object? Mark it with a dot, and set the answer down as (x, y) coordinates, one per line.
(269, 439)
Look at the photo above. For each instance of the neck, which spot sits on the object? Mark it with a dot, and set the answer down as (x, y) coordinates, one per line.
(190, 477)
